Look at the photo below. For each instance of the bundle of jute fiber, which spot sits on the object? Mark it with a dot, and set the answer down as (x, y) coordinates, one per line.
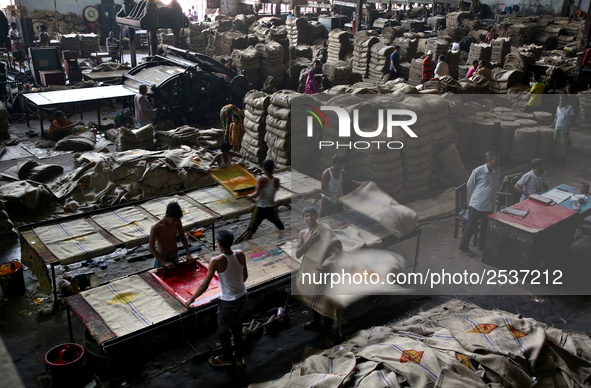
(543, 118)
(279, 35)
(379, 63)
(506, 135)
(278, 126)
(545, 135)
(502, 79)
(339, 45)
(521, 33)
(248, 63)
(195, 38)
(89, 44)
(337, 73)
(450, 161)
(211, 138)
(131, 139)
(69, 42)
(479, 52)
(413, 25)
(548, 42)
(479, 36)
(415, 75)
(408, 48)
(175, 138)
(4, 134)
(293, 70)
(471, 26)
(437, 46)
(271, 55)
(484, 135)
(464, 127)
(500, 48)
(525, 144)
(362, 45)
(437, 22)
(254, 148)
(230, 41)
(392, 33)
(404, 70)
(317, 30)
(222, 25)
(527, 123)
(454, 19)
(298, 31)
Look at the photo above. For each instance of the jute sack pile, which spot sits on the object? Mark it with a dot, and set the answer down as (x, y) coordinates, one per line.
(278, 126)
(500, 48)
(131, 139)
(379, 65)
(89, 44)
(293, 69)
(271, 55)
(362, 45)
(195, 38)
(339, 45)
(248, 62)
(254, 148)
(298, 31)
(479, 52)
(408, 48)
(337, 73)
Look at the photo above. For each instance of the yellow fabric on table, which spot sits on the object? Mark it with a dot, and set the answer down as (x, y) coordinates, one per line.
(73, 241)
(128, 305)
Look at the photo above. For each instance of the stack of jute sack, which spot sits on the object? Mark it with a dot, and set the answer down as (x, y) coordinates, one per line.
(69, 42)
(479, 52)
(339, 45)
(271, 55)
(131, 139)
(337, 73)
(278, 136)
(89, 44)
(4, 134)
(195, 38)
(455, 19)
(231, 41)
(453, 61)
(254, 148)
(502, 80)
(211, 138)
(438, 46)
(519, 59)
(298, 31)
(522, 33)
(362, 45)
(248, 63)
(317, 31)
(408, 48)
(415, 75)
(279, 35)
(379, 64)
(243, 22)
(500, 48)
(293, 70)
(7, 231)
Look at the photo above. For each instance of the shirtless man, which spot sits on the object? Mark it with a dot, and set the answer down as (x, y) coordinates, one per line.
(165, 233)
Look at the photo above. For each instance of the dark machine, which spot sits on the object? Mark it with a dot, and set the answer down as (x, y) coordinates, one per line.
(147, 15)
(188, 86)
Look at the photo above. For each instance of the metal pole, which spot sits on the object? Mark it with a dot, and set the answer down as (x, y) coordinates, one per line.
(358, 15)
(132, 53)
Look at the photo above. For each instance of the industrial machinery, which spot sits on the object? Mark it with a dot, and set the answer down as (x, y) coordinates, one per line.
(187, 85)
(151, 16)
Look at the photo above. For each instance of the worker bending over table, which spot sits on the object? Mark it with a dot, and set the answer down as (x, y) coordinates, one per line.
(231, 268)
(484, 183)
(331, 186)
(165, 232)
(264, 192)
(224, 159)
(532, 182)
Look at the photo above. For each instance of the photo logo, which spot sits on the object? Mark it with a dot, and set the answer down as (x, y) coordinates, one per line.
(388, 118)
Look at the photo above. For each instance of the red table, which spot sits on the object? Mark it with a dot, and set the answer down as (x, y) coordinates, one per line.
(514, 242)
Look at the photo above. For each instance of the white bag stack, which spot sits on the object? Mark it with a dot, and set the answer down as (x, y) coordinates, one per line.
(362, 45)
(248, 62)
(339, 45)
(278, 136)
(254, 148)
(271, 55)
(379, 65)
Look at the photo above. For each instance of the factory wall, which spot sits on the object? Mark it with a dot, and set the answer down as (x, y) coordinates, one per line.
(528, 7)
(63, 6)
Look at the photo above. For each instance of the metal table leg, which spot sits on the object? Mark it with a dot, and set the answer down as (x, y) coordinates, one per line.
(27, 112)
(417, 251)
(54, 286)
(41, 122)
(98, 114)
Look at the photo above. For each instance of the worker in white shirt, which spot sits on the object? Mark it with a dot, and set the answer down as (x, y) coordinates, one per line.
(533, 182)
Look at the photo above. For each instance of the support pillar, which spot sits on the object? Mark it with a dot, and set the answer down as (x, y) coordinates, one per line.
(152, 43)
(176, 33)
(132, 52)
(358, 15)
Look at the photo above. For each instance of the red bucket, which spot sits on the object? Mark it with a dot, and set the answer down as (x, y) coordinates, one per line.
(64, 363)
(12, 280)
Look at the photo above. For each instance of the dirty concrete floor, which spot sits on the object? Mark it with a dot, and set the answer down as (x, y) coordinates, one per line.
(175, 359)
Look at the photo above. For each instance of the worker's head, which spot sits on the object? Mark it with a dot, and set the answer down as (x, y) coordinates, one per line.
(563, 100)
(143, 89)
(492, 30)
(310, 216)
(111, 34)
(59, 116)
(338, 160)
(430, 54)
(235, 118)
(42, 27)
(13, 25)
(173, 210)
(397, 48)
(475, 63)
(269, 166)
(226, 147)
(492, 157)
(537, 165)
(225, 239)
(570, 89)
(442, 58)
(537, 77)
(317, 63)
(229, 61)
(481, 64)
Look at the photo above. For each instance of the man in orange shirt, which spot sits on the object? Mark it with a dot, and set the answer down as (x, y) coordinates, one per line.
(428, 67)
(60, 127)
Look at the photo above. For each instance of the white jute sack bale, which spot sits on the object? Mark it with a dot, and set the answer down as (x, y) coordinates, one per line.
(543, 118)
(545, 135)
(259, 100)
(452, 165)
(506, 134)
(525, 144)
(483, 137)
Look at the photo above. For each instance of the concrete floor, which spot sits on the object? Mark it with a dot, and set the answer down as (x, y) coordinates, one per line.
(29, 330)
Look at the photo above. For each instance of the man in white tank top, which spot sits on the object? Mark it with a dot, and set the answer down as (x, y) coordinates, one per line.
(232, 272)
(264, 192)
(331, 186)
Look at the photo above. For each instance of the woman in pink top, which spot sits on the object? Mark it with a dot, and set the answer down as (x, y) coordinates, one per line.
(472, 69)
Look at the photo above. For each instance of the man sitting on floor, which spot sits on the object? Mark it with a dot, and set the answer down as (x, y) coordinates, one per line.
(60, 127)
(124, 119)
(165, 233)
(534, 181)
